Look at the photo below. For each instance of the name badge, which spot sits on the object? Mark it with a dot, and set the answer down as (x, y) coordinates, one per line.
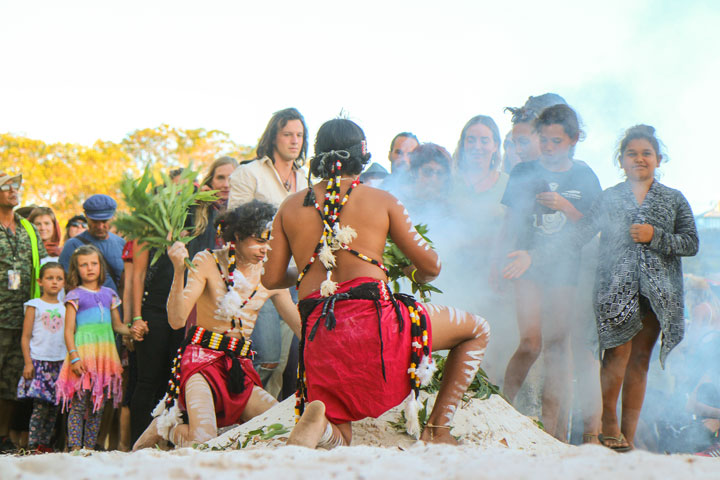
(13, 280)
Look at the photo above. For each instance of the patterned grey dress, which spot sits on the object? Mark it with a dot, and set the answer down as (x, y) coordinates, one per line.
(629, 270)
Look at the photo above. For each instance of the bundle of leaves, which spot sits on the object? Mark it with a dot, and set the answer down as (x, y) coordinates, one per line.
(481, 387)
(396, 262)
(159, 210)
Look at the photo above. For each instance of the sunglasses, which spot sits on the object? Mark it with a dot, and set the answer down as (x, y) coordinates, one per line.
(7, 186)
(77, 224)
(432, 172)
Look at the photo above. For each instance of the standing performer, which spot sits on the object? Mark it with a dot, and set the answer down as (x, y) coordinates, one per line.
(213, 378)
(362, 349)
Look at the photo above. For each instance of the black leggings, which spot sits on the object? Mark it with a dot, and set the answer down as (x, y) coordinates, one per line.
(154, 359)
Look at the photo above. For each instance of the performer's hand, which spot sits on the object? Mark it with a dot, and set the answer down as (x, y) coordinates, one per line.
(521, 262)
(138, 330)
(641, 232)
(553, 200)
(178, 253)
(78, 368)
(28, 372)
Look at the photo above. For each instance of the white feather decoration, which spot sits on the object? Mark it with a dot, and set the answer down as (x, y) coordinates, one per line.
(327, 257)
(167, 418)
(425, 370)
(344, 234)
(412, 409)
(230, 304)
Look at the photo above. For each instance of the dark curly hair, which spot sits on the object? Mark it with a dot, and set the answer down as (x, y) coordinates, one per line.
(339, 135)
(247, 220)
(429, 152)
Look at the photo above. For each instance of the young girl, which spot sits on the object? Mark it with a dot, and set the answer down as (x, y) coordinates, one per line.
(645, 228)
(43, 347)
(92, 371)
(546, 198)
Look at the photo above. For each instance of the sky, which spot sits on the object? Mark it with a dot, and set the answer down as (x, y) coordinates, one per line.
(79, 71)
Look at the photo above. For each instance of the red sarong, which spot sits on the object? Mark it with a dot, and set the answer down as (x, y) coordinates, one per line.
(343, 366)
(214, 366)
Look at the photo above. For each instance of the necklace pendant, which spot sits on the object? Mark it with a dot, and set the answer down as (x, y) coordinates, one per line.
(288, 185)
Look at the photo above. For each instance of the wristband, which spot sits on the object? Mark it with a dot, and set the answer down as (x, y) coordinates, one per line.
(74, 360)
(136, 318)
(412, 276)
(71, 351)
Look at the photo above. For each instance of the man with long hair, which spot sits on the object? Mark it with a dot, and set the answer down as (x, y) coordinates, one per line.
(272, 176)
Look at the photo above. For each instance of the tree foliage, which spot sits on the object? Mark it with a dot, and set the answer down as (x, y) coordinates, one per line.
(63, 175)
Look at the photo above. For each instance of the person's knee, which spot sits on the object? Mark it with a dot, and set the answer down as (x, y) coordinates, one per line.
(530, 347)
(640, 362)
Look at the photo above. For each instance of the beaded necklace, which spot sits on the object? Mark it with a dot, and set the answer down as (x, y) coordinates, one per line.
(334, 237)
(230, 282)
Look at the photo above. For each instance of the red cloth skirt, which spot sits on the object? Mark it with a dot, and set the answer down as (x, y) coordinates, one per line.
(214, 366)
(343, 366)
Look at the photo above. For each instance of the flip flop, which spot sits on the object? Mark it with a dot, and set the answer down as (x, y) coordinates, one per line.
(620, 444)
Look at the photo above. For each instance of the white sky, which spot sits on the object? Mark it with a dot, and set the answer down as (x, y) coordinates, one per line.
(77, 71)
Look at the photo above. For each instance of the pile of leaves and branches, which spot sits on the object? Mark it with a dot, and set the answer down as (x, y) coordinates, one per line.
(253, 437)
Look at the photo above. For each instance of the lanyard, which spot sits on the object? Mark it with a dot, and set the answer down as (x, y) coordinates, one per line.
(13, 245)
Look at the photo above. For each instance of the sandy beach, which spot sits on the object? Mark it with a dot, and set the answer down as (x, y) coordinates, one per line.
(498, 442)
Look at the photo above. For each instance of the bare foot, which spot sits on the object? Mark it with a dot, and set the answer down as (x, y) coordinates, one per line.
(309, 430)
(149, 438)
(437, 434)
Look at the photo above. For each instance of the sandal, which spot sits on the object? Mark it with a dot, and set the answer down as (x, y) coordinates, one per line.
(618, 444)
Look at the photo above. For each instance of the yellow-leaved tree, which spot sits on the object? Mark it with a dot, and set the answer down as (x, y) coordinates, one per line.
(63, 175)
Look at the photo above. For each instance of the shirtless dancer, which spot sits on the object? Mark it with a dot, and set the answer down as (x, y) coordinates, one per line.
(363, 350)
(215, 382)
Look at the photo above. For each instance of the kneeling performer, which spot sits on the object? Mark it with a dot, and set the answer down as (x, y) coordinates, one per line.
(363, 350)
(213, 379)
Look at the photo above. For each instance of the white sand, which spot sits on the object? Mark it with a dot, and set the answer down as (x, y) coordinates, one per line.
(498, 443)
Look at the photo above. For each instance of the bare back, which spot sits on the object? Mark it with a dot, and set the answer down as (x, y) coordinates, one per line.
(372, 213)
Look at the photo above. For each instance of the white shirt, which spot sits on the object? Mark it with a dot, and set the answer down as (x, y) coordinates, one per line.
(258, 180)
(48, 334)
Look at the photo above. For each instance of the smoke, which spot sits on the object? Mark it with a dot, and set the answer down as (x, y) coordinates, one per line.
(464, 228)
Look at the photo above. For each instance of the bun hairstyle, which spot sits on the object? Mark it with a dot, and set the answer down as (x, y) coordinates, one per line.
(533, 107)
(645, 132)
(339, 140)
(251, 219)
(560, 114)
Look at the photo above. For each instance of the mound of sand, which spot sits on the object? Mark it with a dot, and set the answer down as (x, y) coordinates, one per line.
(484, 423)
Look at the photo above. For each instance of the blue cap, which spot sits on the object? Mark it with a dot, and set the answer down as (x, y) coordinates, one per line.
(99, 207)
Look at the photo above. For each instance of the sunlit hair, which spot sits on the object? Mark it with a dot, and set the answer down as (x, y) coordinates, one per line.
(203, 209)
(73, 276)
(266, 145)
(250, 219)
(339, 134)
(563, 115)
(641, 131)
(39, 212)
(428, 153)
(402, 135)
(459, 155)
(49, 266)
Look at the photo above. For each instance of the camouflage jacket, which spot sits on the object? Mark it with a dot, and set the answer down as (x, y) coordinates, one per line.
(11, 301)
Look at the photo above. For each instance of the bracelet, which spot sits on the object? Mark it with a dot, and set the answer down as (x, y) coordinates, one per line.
(412, 276)
(74, 360)
(136, 318)
(71, 351)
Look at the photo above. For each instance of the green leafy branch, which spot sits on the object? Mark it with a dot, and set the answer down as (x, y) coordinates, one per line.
(159, 210)
(396, 262)
(252, 437)
(481, 387)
